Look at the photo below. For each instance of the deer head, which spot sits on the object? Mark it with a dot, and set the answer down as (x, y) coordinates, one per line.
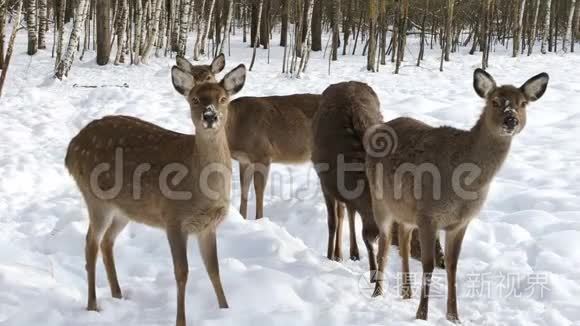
(202, 73)
(208, 102)
(505, 109)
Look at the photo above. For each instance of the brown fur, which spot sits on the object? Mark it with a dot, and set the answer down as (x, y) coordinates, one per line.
(271, 129)
(143, 143)
(396, 198)
(346, 111)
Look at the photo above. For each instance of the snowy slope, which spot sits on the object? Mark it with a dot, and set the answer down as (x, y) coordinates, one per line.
(520, 262)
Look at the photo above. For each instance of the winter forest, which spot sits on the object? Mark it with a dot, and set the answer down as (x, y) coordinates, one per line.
(289, 162)
(133, 32)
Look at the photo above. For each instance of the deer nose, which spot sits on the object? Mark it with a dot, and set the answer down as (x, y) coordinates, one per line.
(510, 122)
(210, 115)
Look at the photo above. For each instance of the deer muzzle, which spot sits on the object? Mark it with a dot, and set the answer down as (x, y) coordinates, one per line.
(209, 117)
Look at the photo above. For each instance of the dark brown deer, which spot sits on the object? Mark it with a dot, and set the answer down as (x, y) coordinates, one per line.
(346, 111)
(459, 166)
(193, 201)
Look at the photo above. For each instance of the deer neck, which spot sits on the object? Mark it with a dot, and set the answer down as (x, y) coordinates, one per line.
(212, 164)
(488, 150)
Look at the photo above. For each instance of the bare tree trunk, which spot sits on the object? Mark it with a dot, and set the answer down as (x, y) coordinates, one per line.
(103, 31)
(65, 64)
(348, 25)
(207, 27)
(546, 26)
(200, 28)
(152, 35)
(335, 28)
(568, 35)
(372, 54)
(183, 19)
(227, 27)
(422, 46)
(532, 39)
(575, 25)
(138, 32)
(518, 22)
(284, 22)
(317, 26)
(449, 28)
(60, 25)
(6, 63)
(403, 34)
(3, 10)
(305, 44)
(121, 29)
(42, 23)
(257, 39)
(31, 26)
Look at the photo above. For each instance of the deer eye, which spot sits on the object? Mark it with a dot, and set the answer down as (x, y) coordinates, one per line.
(524, 103)
(223, 100)
(194, 100)
(496, 102)
(208, 78)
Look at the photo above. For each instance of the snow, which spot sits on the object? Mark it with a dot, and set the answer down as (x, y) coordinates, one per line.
(274, 270)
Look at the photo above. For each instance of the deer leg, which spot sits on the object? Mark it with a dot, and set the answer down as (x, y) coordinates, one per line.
(384, 243)
(427, 237)
(370, 233)
(354, 254)
(107, 244)
(97, 226)
(261, 171)
(453, 241)
(331, 217)
(405, 234)
(178, 244)
(338, 237)
(245, 181)
(208, 249)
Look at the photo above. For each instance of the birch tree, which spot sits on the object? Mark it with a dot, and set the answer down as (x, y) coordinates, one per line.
(257, 38)
(122, 16)
(103, 31)
(206, 27)
(568, 35)
(42, 23)
(153, 29)
(138, 31)
(546, 26)
(533, 32)
(31, 26)
(372, 54)
(227, 27)
(200, 28)
(183, 20)
(65, 64)
(518, 23)
(308, 36)
(6, 60)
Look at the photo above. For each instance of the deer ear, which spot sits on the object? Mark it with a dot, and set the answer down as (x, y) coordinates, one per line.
(183, 64)
(536, 86)
(218, 64)
(483, 83)
(183, 82)
(234, 81)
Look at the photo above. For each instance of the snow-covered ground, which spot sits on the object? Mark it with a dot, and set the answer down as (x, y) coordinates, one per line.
(520, 263)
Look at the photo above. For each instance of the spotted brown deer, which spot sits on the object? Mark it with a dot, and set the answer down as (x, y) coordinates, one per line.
(177, 182)
(460, 166)
(272, 129)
